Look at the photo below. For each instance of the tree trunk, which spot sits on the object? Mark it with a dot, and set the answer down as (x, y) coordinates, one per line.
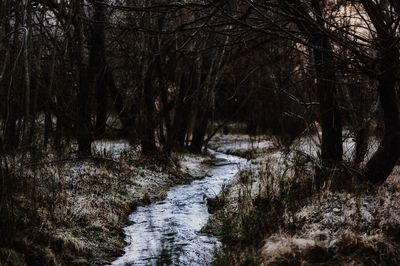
(331, 147)
(202, 116)
(27, 77)
(84, 114)
(168, 136)
(183, 111)
(48, 122)
(383, 161)
(57, 134)
(48, 128)
(200, 130)
(101, 107)
(97, 65)
(126, 117)
(331, 125)
(11, 138)
(361, 145)
(35, 96)
(148, 141)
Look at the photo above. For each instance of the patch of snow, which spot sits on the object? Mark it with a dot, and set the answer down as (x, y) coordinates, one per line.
(112, 148)
(192, 164)
(227, 143)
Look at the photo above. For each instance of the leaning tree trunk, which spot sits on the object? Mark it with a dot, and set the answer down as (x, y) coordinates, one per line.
(383, 161)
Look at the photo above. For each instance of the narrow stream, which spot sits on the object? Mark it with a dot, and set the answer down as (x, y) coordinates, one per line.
(168, 232)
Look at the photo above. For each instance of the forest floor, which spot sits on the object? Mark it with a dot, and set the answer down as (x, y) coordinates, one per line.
(81, 205)
(273, 214)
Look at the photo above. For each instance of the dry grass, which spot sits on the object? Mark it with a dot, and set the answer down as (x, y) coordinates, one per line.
(275, 215)
(72, 211)
(349, 249)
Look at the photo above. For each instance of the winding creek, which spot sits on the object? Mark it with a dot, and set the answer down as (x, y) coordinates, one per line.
(168, 232)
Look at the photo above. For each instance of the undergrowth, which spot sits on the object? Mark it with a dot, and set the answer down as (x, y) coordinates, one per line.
(67, 210)
(262, 200)
(281, 216)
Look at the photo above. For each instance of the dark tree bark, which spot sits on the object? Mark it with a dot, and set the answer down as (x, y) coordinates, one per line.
(101, 106)
(11, 138)
(125, 114)
(202, 113)
(331, 147)
(181, 103)
(169, 138)
(200, 130)
(361, 142)
(57, 134)
(331, 124)
(84, 111)
(97, 65)
(48, 128)
(84, 116)
(183, 111)
(383, 161)
(35, 95)
(202, 116)
(27, 126)
(48, 123)
(206, 90)
(148, 141)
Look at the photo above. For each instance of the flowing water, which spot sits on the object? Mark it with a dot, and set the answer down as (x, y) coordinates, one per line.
(168, 232)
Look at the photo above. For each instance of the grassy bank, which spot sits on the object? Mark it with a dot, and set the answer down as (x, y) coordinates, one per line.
(274, 214)
(71, 211)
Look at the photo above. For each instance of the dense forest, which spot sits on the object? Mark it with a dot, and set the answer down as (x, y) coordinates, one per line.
(105, 105)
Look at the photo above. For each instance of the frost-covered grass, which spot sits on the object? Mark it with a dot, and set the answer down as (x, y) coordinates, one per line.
(275, 214)
(346, 228)
(75, 208)
(241, 145)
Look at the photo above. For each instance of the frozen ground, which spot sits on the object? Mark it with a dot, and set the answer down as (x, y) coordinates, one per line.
(88, 200)
(344, 228)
